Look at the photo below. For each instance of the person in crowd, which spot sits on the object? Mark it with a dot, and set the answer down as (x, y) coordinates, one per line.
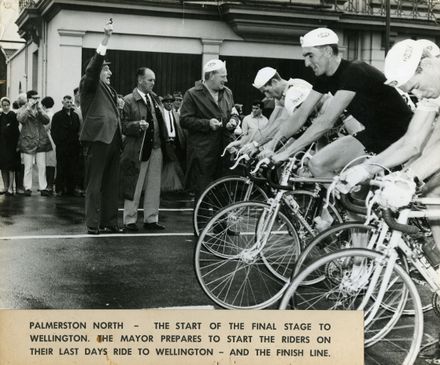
(255, 122)
(172, 172)
(205, 112)
(51, 161)
(76, 107)
(34, 141)
(9, 156)
(19, 173)
(143, 154)
(177, 103)
(358, 88)
(101, 136)
(65, 130)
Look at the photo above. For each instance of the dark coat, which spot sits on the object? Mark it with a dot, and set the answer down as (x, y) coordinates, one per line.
(65, 129)
(9, 133)
(204, 146)
(33, 136)
(99, 105)
(135, 109)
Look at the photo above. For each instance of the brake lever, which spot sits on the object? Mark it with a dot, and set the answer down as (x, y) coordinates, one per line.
(242, 157)
(264, 161)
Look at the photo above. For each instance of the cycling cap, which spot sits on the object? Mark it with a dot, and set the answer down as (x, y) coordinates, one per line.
(296, 94)
(214, 65)
(402, 61)
(263, 76)
(319, 37)
(429, 46)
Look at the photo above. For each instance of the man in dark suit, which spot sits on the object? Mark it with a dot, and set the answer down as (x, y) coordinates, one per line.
(101, 137)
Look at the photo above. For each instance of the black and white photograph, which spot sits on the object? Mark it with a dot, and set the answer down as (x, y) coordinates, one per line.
(271, 155)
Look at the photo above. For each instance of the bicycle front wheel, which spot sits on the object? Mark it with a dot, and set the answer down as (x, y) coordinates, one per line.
(245, 256)
(221, 193)
(356, 279)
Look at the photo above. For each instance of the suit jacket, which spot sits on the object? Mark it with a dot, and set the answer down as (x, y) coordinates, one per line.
(137, 140)
(98, 105)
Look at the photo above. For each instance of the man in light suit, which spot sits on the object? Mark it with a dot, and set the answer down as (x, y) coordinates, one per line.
(144, 151)
(101, 136)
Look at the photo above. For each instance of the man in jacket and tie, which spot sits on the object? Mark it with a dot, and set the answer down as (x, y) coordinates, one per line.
(101, 137)
(144, 151)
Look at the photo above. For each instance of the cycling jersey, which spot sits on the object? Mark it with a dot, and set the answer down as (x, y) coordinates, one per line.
(378, 107)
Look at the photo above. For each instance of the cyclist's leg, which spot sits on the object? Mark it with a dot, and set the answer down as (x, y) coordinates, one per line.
(335, 156)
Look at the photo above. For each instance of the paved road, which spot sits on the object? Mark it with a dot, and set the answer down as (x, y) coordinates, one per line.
(46, 260)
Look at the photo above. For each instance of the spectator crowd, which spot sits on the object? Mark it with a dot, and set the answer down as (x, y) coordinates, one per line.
(104, 146)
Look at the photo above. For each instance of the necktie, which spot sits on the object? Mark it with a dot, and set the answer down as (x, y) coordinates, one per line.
(171, 121)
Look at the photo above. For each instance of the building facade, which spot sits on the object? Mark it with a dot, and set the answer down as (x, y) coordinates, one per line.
(176, 37)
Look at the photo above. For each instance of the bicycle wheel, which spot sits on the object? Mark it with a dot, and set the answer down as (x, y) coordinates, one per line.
(341, 236)
(310, 206)
(353, 235)
(244, 256)
(221, 193)
(355, 279)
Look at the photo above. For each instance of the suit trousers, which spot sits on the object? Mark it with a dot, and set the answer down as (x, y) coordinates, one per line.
(149, 181)
(102, 182)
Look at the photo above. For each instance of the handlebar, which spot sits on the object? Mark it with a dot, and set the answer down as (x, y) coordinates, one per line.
(345, 201)
(393, 224)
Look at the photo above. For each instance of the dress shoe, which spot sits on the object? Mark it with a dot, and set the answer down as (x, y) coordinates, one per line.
(92, 230)
(2, 192)
(9, 193)
(44, 192)
(111, 229)
(27, 192)
(20, 191)
(131, 227)
(153, 226)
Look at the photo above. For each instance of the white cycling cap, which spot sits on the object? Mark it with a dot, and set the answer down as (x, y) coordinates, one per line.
(430, 46)
(296, 94)
(263, 76)
(402, 61)
(214, 65)
(319, 37)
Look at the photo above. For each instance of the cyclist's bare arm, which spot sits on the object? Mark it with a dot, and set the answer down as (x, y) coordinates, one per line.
(427, 164)
(323, 122)
(409, 146)
(291, 125)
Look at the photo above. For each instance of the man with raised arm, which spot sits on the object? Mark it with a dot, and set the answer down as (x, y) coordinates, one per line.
(101, 136)
(358, 88)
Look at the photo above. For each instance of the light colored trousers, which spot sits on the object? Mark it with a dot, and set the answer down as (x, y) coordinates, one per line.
(149, 182)
(40, 159)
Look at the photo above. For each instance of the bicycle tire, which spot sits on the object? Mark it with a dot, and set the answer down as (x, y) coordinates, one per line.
(340, 237)
(232, 269)
(395, 335)
(221, 193)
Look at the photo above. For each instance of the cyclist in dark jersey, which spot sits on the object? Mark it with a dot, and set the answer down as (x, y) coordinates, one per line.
(358, 88)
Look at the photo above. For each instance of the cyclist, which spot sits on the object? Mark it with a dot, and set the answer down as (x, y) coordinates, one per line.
(413, 66)
(358, 88)
(288, 94)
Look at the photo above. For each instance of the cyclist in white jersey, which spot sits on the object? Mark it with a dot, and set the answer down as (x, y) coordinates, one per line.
(288, 95)
(414, 67)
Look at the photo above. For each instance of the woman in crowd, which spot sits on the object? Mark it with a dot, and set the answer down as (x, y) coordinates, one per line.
(9, 156)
